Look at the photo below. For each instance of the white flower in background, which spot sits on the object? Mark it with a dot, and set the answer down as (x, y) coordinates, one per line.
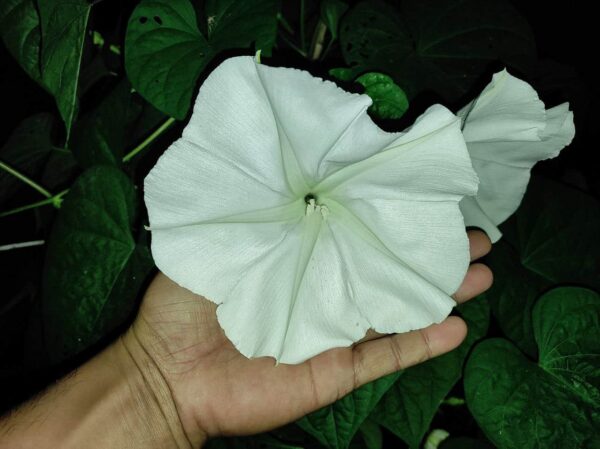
(285, 204)
(508, 130)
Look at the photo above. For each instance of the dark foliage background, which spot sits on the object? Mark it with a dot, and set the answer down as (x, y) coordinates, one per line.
(564, 71)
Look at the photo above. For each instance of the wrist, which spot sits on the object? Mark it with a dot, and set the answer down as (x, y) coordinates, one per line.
(152, 396)
(116, 400)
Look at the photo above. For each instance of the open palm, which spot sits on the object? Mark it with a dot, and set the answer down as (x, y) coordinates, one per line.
(218, 391)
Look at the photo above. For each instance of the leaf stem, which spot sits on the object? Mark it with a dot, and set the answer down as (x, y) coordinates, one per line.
(55, 200)
(453, 401)
(293, 46)
(327, 49)
(148, 140)
(31, 183)
(285, 24)
(20, 245)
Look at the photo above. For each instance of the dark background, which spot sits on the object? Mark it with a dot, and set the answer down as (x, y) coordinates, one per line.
(567, 53)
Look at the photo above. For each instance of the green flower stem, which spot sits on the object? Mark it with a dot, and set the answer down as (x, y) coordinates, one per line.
(148, 140)
(55, 200)
(25, 179)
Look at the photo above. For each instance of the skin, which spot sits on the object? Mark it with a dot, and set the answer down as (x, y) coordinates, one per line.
(173, 380)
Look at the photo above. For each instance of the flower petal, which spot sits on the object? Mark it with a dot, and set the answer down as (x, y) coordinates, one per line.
(265, 316)
(508, 109)
(190, 185)
(428, 162)
(507, 132)
(393, 296)
(211, 259)
(313, 115)
(426, 238)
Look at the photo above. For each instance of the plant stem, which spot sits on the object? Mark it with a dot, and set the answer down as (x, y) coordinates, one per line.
(293, 46)
(55, 200)
(21, 245)
(327, 49)
(148, 140)
(302, 35)
(25, 179)
(454, 401)
(285, 24)
(316, 46)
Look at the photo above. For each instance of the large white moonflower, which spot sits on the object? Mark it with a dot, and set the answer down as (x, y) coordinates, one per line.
(286, 205)
(508, 130)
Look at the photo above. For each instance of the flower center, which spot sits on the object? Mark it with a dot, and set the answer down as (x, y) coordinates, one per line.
(312, 206)
(310, 196)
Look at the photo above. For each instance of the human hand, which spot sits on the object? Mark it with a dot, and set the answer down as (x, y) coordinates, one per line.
(218, 391)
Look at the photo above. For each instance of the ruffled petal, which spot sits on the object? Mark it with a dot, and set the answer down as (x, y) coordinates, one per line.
(428, 162)
(427, 238)
(313, 115)
(508, 131)
(474, 216)
(508, 109)
(390, 294)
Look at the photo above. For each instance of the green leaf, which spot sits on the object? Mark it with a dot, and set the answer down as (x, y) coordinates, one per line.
(262, 441)
(331, 13)
(27, 150)
(63, 26)
(165, 52)
(513, 294)
(408, 408)
(555, 221)
(371, 435)
(552, 403)
(553, 238)
(94, 267)
(342, 73)
(101, 136)
(335, 425)
(389, 101)
(440, 45)
(234, 24)
(20, 31)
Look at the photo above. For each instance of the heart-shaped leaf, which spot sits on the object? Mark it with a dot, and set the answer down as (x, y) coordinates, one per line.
(441, 45)
(99, 138)
(335, 425)
(389, 101)
(552, 238)
(46, 38)
(165, 52)
(552, 403)
(26, 150)
(63, 30)
(331, 13)
(94, 267)
(20, 31)
(408, 408)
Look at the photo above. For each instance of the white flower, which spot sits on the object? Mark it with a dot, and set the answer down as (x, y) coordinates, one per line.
(285, 204)
(508, 130)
